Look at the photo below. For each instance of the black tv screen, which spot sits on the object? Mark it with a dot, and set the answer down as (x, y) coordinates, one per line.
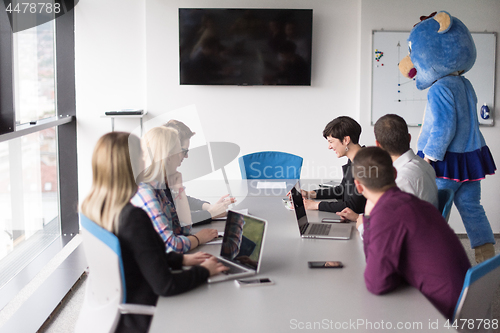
(245, 46)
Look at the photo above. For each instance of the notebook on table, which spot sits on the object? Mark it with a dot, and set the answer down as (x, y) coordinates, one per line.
(242, 245)
(316, 230)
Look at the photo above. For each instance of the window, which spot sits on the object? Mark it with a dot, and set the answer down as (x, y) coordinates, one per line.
(34, 73)
(28, 199)
(38, 167)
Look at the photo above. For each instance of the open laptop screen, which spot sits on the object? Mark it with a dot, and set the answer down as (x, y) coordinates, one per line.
(243, 238)
(298, 205)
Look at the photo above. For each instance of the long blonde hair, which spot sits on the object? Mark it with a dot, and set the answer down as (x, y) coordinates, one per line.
(158, 144)
(113, 183)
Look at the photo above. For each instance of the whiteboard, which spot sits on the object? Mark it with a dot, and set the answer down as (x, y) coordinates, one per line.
(394, 93)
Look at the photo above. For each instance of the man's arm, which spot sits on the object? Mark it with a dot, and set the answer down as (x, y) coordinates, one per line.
(354, 201)
(329, 206)
(383, 241)
(330, 192)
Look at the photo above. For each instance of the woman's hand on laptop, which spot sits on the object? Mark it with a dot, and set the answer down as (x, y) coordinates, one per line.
(214, 266)
(195, 258)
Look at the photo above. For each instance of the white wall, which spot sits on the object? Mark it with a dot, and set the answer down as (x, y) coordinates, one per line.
(110, 61)
(259, 118)
(397, 15)
(129, 59)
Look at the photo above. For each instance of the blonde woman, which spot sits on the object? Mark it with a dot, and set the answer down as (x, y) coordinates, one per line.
(202, 212)
(162, 195)
(147, 268)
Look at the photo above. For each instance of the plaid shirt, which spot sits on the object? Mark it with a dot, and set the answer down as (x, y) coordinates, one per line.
(162, 212)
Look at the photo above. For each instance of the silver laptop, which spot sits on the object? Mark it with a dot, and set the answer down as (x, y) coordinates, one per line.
(242, 245)
(316, 230)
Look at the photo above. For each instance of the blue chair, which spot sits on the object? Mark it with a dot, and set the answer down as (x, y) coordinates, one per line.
(445, 199)
(105, 287)
(481, 283)
(270, 165)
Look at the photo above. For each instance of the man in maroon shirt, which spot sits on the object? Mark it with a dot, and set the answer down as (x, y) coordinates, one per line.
(406, 240)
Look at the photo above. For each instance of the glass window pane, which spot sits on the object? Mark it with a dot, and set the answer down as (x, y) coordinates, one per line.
(28, 199)
(34, 73)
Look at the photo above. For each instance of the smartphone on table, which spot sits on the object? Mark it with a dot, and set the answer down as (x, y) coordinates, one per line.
(334, 219)
(325, 264)
(254, 282)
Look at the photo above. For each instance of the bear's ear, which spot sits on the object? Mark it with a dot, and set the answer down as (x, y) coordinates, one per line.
(445, 21)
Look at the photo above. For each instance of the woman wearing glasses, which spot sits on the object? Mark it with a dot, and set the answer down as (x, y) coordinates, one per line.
(161, 193)
(201, 211)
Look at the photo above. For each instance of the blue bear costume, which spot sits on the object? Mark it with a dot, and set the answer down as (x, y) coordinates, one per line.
(441, 49)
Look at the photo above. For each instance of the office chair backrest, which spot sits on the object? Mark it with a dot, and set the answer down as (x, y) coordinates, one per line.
(481, 282)
(445, 198)
(270, 165)
(105, 284)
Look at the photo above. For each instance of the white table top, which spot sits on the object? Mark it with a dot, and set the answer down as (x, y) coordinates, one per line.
(333, 299)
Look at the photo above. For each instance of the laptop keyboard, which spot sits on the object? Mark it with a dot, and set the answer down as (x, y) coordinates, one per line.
(319, 229)
(232, 269)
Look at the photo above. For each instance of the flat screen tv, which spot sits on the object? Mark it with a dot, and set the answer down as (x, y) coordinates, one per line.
(245, 46)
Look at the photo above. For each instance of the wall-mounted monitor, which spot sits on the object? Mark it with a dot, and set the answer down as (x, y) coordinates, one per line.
(245, 46)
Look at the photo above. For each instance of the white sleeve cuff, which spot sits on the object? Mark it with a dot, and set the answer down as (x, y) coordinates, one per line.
(361, 229)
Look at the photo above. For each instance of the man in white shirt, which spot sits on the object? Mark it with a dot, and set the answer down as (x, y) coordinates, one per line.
(414, 176)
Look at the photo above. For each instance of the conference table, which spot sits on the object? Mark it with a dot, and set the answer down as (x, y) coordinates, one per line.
(301, 298)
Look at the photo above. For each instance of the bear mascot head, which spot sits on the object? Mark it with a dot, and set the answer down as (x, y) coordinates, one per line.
(439, 45)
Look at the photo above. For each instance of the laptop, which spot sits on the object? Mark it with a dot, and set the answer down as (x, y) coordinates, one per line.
(332, 218)
(241, 248)
(316, 230)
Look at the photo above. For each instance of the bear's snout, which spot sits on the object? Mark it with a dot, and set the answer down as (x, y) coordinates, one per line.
(406, 68)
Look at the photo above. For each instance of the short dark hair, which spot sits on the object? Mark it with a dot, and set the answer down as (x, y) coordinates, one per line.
(341, 127)
(372, 167)
(391, 132)
(185, 132)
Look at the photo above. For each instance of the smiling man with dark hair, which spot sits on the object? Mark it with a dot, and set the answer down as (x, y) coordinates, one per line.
(342, 135)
